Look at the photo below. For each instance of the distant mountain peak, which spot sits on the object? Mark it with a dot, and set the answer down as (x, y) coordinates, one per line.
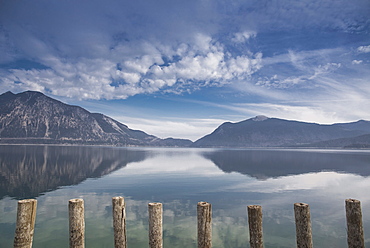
(260, 118)
(8, 93)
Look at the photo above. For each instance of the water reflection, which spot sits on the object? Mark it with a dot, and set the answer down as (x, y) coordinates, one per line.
(28, 171)
(179, 178)
(263, 164)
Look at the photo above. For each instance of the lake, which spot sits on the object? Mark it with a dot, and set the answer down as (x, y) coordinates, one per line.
(230, 179)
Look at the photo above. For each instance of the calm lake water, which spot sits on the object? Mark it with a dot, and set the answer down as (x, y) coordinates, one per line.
(179, 178)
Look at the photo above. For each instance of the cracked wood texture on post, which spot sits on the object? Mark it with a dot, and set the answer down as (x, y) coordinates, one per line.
(204, 215)
(303, 225)
(155, 225)
(76, 223)
(119, 222)
(26, 217)
(355, 232)
(255, 226)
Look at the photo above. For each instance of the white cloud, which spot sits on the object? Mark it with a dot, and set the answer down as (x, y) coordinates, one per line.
(121, 73)
(275, 82)
(243, 36)
(211, 64)
(306, 79)
(166, 46)
(332, 98)
(364, 49)
(326, 68)
(85, 79)
(357, 62)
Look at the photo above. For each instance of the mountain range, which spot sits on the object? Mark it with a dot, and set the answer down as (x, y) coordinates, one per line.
(262, 131)
(33, 118)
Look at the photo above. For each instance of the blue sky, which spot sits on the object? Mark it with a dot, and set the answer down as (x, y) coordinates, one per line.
(180, 68)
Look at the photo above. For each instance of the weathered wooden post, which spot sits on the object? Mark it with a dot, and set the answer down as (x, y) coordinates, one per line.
(303, 225)
(255, 226)
(119, 222)
(204, 215)
(355, 232)
(26, 217)
(76, 223)
(155, 225)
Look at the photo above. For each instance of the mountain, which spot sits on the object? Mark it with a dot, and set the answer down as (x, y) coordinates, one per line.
(32, 117)
(261, 131)
(362, 141)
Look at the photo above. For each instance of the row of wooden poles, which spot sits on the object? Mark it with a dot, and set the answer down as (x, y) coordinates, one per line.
(26, 216)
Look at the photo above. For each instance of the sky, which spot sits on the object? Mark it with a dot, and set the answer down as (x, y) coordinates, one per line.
(181, 68)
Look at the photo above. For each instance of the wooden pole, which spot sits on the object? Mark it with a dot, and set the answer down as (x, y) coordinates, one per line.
(76, 223)
(119, 222)
(355, 232)
(255, 226)
(26, 217)
(303, 225)
(155, 225)
(204, 213)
